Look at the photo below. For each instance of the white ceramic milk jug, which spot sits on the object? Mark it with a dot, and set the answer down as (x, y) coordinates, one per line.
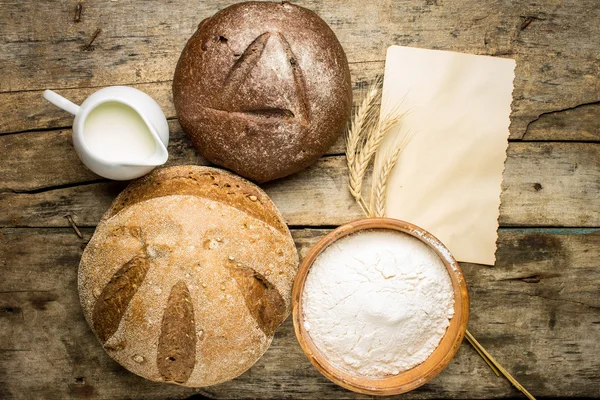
(119, 132)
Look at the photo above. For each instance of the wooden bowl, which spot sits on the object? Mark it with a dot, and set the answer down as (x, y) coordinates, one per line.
(414, 377)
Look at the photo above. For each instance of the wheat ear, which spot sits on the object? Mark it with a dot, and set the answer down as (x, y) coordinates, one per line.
(363, 119)
(382, 173)
(380, 181)
(373, 140)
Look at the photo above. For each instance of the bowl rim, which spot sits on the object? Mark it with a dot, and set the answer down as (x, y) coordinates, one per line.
(406, 380)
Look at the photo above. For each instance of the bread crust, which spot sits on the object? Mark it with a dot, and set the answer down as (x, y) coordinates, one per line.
(211, 183)
(263, 89)
(190, 246)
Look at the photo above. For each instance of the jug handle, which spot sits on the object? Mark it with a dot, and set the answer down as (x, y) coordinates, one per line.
(61, 102)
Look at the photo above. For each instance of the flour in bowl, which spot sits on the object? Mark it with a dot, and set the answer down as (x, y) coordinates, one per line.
(377, 302)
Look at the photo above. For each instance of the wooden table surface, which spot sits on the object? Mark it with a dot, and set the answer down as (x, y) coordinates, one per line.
(537, 310)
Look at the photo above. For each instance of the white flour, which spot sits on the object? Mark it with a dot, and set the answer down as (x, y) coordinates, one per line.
(377, 303)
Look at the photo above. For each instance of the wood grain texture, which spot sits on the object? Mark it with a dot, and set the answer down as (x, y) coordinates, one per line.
(27, 110)
(42, 159)
(554, 43)
(537, 312)
(545, 184)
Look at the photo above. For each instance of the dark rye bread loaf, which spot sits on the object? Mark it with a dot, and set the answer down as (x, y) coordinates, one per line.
(188, 275)
(263, 89)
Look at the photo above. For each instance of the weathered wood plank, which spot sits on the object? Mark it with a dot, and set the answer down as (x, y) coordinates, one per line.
(39, 160)
(551, 41)
(581, 122)
(568, 174)
(537, 312)
(545, 184)
(27, 110)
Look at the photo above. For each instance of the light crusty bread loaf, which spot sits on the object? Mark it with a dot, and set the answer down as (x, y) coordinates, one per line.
(188, 275)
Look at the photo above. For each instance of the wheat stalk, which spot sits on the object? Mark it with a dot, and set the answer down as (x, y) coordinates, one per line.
(363, 117)
(362, 121)
(492, 361)
(383, 171)
(379, 187)
(381, 176)
(373, 139)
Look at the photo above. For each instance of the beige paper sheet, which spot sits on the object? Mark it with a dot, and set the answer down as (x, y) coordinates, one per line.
(457, 111)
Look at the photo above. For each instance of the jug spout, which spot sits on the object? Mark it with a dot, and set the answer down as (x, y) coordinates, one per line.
(160, 156)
